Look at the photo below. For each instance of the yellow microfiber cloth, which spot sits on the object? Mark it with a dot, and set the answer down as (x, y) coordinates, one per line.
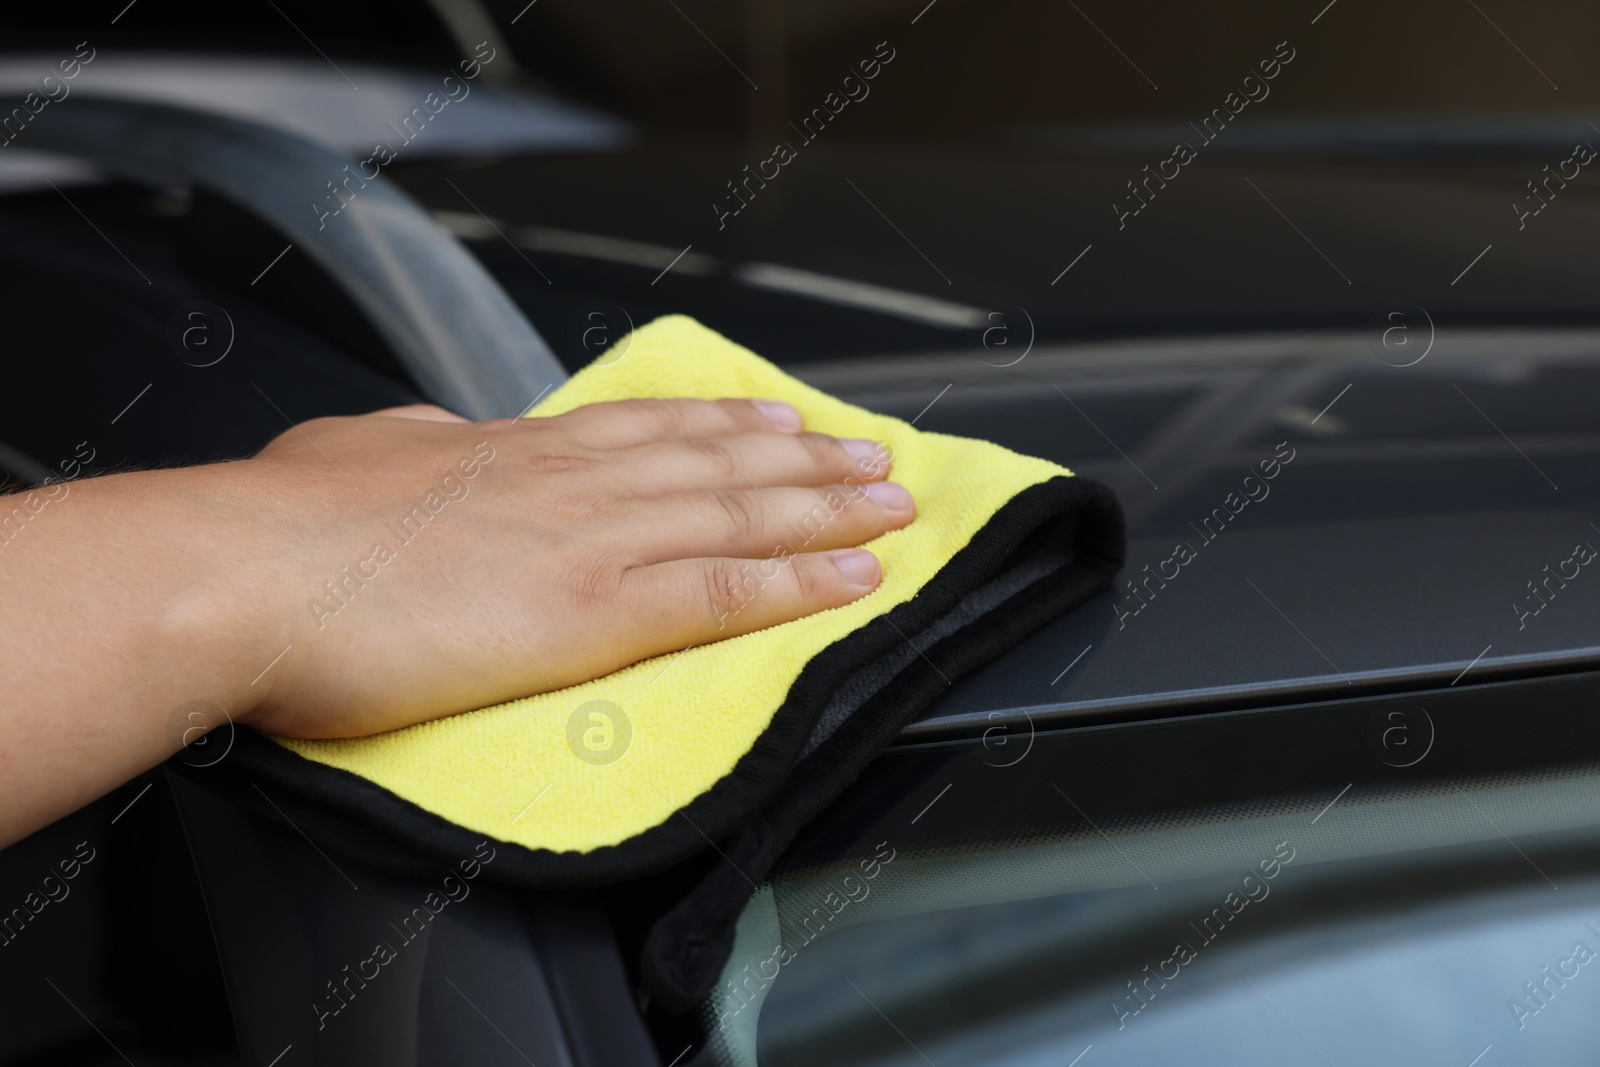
(740, 741)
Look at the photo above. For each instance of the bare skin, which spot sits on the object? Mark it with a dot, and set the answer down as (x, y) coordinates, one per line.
(367, 573)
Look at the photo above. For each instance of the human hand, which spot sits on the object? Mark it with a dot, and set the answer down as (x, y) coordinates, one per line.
(421, 565)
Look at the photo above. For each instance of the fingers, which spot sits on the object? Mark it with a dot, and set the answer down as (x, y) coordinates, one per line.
(421, 412)
(756, 523)
(695, 601)
(749, 461)
(622, 423)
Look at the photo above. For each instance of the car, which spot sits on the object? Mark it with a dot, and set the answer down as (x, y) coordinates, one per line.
(1315, 782)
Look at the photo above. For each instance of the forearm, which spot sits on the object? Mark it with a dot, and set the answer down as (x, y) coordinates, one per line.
(126, 597)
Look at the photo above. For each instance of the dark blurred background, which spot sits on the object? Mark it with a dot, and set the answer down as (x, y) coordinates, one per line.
(974, 67)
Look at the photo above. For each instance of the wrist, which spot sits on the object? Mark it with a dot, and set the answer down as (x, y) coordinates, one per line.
(237, 555)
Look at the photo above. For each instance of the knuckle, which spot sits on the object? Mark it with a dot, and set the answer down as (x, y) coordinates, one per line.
(728, 588)
(809, 524)
(650, 413)
(591, 424)
(816, 579)
(843, 499)
(741, 413)
(597, 580)
(824, 450)
(720, 453)
(663, 412)
(740, 510)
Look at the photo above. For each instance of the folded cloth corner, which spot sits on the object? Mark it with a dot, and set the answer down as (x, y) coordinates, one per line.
(737, 743)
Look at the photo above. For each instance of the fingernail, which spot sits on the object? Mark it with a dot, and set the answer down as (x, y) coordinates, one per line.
(865, 453)
(859, 566)
(783, 416)
(891, 495)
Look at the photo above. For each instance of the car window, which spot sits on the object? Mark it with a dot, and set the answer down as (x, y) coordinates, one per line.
(1111, 885)
(1506, 967)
